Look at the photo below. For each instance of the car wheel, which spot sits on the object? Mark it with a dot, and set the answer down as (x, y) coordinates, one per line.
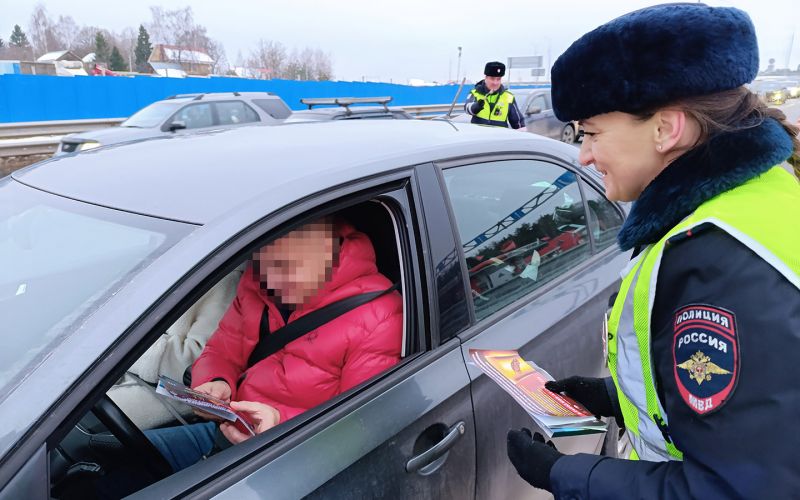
(568, 134)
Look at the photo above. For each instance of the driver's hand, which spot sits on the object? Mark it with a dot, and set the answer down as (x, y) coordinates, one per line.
(215, 388)
(262, 416)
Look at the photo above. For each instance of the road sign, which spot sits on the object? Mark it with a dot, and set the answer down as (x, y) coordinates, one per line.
(525, 62)
(537, 72)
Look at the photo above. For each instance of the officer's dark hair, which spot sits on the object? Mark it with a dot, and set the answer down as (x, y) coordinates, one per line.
(731, 111)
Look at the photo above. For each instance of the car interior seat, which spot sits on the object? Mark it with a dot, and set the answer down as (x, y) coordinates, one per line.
(374, 219)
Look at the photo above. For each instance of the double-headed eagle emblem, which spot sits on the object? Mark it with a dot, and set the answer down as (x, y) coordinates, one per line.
(701, 368)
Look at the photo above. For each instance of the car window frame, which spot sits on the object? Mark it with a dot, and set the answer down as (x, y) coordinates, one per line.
(218, 121)
(281, 439)
(533, 99)
(134, 341)
(214, 119)
(479, 325)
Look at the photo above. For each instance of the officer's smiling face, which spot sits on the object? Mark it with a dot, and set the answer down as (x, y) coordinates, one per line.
(623, 149)
(493, 82)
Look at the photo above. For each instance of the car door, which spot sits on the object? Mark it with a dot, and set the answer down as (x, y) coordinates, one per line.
(555, 127)
(540, 285)
(409, 432)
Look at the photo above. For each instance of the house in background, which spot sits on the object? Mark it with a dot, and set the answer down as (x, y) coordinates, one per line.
(66, 63)
(171, 60)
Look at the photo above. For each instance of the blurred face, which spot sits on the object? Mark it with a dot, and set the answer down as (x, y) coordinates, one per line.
(294, 267)
(493, 82)
(623, 149)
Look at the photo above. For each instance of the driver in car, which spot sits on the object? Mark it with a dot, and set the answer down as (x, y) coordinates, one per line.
(315, 265)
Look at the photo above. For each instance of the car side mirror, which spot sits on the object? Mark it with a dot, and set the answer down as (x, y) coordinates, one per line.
(177, 125)
(534, 110)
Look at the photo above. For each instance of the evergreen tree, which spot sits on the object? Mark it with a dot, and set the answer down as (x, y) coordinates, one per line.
(102, 52)
(2, 44)
(116, 62)
(18, 38)
(142, 51)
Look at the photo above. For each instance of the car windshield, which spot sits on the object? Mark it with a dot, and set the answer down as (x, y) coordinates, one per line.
(61, 260)
(151, 116)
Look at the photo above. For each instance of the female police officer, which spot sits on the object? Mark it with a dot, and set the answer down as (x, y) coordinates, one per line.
(704, 336)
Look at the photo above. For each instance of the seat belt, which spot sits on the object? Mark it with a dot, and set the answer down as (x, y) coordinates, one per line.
(270, 343)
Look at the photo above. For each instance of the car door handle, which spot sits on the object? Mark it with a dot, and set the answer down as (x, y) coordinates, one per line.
(437, 450)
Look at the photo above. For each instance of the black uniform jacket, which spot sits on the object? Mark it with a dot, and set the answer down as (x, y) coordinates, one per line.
(745, 444)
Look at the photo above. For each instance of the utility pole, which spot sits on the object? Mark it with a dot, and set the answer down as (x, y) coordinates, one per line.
(458, 66)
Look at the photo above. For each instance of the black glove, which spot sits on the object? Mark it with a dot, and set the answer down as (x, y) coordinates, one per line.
(532, 457)
(592, 393)
(477, 106)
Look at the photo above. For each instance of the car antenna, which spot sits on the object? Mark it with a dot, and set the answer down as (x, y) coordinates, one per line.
(447, 121)
(455, 99)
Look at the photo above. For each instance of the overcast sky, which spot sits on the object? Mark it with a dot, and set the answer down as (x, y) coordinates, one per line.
(399, 40)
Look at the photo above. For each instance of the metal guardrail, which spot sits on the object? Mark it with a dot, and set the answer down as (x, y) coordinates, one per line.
(37, 138)
(60, 127)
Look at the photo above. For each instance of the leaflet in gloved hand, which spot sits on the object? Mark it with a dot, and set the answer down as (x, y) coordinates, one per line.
(209, 404)
(557, 415)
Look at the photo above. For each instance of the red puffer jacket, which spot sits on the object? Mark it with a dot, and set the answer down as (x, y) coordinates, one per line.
(323, 363)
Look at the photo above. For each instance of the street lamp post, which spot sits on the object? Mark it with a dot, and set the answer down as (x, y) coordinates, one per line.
(458, 66)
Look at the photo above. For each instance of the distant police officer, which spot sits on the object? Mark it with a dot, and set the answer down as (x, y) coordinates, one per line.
(490, 103)
(704, 336)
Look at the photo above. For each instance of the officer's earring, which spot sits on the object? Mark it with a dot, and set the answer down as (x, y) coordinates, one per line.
(658, 147)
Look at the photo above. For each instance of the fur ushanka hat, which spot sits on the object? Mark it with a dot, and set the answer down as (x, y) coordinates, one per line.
(653, 56)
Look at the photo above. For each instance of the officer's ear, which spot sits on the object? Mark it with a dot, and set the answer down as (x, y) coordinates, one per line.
(673, 132)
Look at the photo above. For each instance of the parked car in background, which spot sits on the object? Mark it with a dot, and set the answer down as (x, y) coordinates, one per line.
(349, 108)
(537, 107)
(184, 112)
(770, 91)
(105, 249)
(792, 87)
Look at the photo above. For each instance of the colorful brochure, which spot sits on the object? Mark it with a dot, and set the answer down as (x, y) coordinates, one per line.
(557, 415)
(217, 407)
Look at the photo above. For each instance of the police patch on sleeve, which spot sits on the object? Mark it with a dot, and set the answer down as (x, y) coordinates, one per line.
(705, 350)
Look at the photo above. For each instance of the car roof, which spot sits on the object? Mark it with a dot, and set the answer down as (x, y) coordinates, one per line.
(198, 177)
(217, 96)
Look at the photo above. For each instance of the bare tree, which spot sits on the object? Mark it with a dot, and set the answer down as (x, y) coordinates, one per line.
(270, 58)
(323, 65)
(84, 40)
(179, 29)
(42, 35)
(125, 41)
(308, 64)
(66, 31)
(216, 50)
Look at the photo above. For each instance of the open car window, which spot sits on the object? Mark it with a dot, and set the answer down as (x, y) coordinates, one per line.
(317, 368)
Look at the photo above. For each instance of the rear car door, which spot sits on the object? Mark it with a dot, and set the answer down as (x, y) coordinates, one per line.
(540, 271)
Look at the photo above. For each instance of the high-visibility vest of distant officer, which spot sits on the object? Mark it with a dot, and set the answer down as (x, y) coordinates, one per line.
(491, 103)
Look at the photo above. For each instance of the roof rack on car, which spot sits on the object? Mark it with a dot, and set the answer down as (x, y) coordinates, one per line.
(345, 102)
(198, 97)
(185, 96)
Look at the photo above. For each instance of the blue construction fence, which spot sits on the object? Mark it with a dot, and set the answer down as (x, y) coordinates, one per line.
(28, 98)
